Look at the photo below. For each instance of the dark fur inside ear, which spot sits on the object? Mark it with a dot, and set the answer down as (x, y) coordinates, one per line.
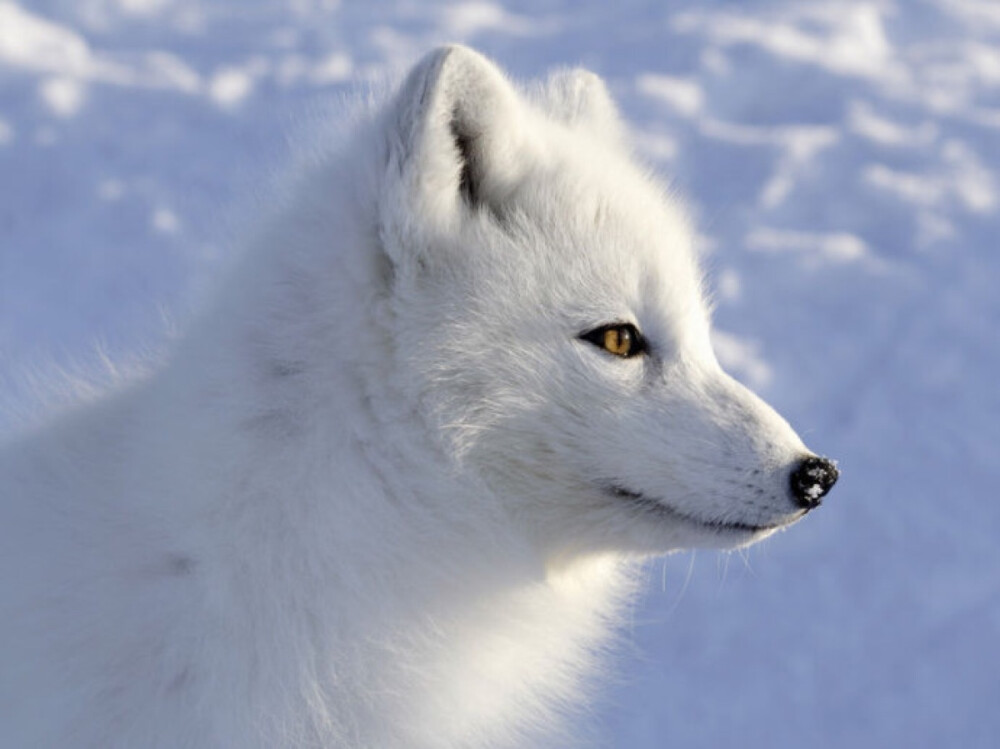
(465, 142)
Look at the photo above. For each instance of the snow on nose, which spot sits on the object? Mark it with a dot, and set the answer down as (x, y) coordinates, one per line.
(811, 480)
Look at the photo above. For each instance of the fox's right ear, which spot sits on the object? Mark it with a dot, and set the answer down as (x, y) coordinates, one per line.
(457, 137)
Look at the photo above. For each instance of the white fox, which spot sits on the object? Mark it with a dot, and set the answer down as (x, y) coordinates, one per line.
(391, 487)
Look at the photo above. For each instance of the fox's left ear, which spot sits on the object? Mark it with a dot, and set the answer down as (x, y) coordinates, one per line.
(581, 100)
(457, 135)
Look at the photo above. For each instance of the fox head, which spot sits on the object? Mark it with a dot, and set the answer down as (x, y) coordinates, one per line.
(544, 289)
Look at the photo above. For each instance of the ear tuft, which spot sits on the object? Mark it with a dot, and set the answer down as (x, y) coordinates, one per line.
(458, 129)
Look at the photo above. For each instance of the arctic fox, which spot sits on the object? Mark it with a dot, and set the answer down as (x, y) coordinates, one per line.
(390, 488)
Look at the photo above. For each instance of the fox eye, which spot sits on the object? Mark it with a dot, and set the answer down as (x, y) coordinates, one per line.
(621, 339)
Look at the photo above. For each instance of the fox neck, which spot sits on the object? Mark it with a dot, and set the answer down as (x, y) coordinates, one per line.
(329, 518)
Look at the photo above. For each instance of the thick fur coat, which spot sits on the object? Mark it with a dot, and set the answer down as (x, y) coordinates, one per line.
(389, 488)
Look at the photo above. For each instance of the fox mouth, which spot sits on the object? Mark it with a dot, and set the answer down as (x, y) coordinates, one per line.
(657, 507)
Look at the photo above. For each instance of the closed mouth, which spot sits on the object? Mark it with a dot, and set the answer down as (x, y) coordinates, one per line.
(663, 510)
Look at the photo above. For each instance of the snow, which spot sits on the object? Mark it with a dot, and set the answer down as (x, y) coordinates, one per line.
(34, 43)
(841, 160)
(684, 95)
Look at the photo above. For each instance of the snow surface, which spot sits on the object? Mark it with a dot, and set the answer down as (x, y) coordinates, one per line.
(842, 158)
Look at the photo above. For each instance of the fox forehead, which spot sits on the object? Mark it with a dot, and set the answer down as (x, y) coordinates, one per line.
(598, 239)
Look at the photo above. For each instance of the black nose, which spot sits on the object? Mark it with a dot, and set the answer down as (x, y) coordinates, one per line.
(812, 480)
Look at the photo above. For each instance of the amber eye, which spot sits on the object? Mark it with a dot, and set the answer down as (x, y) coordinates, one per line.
(620, 339)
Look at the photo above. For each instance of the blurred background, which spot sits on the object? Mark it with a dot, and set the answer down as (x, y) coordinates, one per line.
(841, 159)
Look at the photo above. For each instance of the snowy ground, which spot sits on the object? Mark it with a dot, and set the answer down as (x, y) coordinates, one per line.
(842, 159)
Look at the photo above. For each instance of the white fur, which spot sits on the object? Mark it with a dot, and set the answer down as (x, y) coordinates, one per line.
(368, 500)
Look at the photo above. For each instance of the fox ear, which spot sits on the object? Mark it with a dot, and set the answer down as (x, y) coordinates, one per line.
(456, 133)
(581, 100)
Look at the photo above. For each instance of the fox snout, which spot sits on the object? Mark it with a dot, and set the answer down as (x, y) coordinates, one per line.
(811, 480)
